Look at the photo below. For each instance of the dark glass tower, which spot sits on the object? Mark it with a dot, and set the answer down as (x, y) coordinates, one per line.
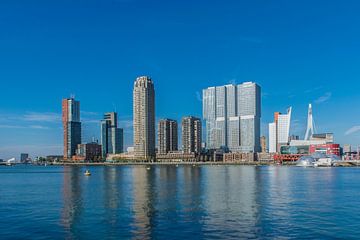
(71, 126)
(112, 137)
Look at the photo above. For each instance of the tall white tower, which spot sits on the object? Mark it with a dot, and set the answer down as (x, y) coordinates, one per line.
(310, 124)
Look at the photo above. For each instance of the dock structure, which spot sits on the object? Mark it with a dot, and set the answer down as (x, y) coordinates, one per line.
(347, 163)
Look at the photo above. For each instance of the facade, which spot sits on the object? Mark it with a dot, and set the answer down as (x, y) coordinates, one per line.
(328, 149)
(327, 137)
(24, 157)
(263, 144)
(279, 131)
(112, 137)
(293, 153)
(88, 152)
(323, 143)
(191, 135)
(272, 138)
(144, 118)
(176, 156)
(239, 157)
(294, 137)
(167, 136)
(71, 126)
(347, 148)
(232, 117)
(315, 139)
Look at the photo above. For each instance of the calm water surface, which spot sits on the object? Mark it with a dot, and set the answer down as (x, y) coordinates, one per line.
(185, 202)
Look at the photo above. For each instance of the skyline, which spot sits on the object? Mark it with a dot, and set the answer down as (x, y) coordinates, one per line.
(95, 131)
(310, 58)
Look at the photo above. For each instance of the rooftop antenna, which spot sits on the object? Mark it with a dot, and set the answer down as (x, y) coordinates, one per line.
(310, 124)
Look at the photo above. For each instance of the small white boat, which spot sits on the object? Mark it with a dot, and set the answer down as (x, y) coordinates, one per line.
(323, 162)
(87, 173)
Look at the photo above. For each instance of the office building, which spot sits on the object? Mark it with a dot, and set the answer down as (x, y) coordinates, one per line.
(112, 137)
(232, 117)
(191, 135)
(88, 152)
(279, 131)
(144, 118)
(24, 157)
(167, 136)
(71, 126)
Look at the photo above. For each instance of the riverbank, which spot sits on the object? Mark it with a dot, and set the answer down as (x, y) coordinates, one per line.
(267, 163)
(253, 163)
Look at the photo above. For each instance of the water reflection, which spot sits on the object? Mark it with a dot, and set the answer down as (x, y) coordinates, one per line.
(73, 205)
(232, 202)
(115, 197)
(143, 201)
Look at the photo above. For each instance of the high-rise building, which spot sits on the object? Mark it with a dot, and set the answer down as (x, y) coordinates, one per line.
(279, 131)
(71, 125)
(272, 138)
(232, 116)
(144, 118)
(24, 157)
(112, 137)
(167, 136)
(191, 135)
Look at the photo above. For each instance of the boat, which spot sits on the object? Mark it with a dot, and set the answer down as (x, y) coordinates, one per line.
(327, 161)
(323, 162)
(148, 168)
(87, 173)
(305, 161)
(317, 160)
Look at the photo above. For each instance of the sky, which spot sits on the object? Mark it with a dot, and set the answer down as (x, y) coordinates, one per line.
(299, 52)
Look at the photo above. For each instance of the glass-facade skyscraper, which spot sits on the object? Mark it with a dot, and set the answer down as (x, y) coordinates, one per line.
(71, 126)
(232, 116)
(112, 137)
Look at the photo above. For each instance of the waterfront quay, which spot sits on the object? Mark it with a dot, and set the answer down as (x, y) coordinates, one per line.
(250, 163)
(195, 163)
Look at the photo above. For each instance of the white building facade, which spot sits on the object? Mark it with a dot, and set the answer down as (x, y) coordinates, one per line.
(279, 131)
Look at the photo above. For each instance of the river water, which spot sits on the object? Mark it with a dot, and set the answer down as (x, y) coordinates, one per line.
(185, 202)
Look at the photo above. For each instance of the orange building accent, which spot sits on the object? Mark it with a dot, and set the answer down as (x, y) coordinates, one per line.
(65, 118)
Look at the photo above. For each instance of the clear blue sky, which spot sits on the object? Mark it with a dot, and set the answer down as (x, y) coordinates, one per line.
(298, 51)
